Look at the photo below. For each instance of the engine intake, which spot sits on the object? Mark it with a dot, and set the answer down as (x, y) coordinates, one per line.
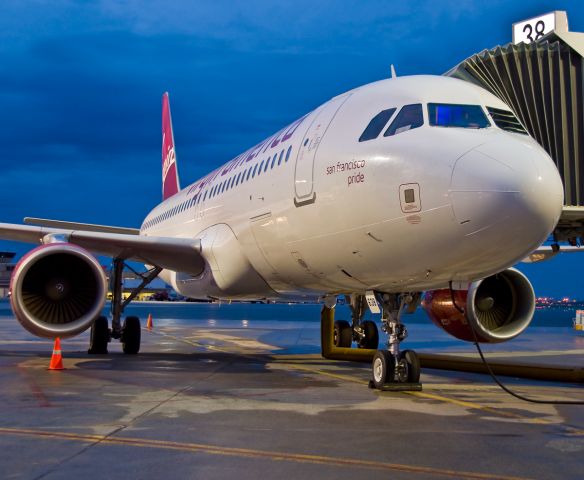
(57, 290)
(498, 308)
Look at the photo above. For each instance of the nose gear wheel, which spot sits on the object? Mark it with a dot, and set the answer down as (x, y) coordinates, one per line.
(393, 369)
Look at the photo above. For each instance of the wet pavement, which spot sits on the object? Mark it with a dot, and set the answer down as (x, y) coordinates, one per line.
(253, 399)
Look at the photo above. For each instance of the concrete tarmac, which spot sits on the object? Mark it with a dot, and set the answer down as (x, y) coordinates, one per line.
(255, 401)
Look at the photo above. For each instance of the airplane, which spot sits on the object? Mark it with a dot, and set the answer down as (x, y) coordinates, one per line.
(415, 190)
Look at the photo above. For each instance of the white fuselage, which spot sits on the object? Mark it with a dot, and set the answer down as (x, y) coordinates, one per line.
(313, 211)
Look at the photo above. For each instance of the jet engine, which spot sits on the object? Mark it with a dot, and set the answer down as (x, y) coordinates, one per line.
(57, 290)
(497, 308)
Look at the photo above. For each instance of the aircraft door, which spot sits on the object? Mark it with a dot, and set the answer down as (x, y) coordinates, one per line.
(304, 172)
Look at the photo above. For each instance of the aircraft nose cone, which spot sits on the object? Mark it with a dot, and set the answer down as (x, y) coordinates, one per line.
(508, 190)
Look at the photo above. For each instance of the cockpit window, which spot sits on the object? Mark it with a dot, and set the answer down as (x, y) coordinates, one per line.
(460, 116)
(505, 120)
(376, 125)
(408, 118)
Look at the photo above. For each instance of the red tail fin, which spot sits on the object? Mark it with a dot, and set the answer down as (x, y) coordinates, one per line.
(170, 184)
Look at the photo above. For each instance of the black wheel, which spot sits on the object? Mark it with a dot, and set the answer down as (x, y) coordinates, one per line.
(383, 367)
(371, 339)
(343, 335)
(99, 337)
(131, 335)
(408, 369)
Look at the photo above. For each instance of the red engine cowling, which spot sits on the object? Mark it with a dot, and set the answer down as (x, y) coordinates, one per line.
(57, 290)
(498, 308)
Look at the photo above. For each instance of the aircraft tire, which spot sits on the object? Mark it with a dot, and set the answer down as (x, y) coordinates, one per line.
(383, 368)
(343, 334)
(99, 336)
(371, 339)
(131, 335)
(413, 363)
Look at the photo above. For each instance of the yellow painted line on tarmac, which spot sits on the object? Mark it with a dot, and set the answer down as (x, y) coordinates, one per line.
(477, 406)
(339, 376)
(238, 341)
(244, 352)
(429, 396)
(189, 342)
(252, 453)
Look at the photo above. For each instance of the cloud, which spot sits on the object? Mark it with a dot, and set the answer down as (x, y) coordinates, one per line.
(81, 83)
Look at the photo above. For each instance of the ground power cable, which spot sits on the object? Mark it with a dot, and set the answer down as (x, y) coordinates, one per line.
(495, 378)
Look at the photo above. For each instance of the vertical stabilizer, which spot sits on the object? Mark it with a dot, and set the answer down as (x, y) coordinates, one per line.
(170, 184)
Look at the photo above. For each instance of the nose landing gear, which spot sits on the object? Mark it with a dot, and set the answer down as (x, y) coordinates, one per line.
(392, 369)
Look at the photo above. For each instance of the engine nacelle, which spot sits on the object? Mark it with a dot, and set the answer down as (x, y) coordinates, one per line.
(57, 290)
(498, 308)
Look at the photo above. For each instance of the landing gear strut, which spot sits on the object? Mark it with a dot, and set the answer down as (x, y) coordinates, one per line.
(394, 369)
(129, 333)
(364, 333)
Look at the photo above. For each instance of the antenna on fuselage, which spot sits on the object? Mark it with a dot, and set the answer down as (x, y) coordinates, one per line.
(393, 74)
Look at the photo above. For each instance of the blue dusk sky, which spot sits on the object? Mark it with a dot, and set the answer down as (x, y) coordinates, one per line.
(81, 85)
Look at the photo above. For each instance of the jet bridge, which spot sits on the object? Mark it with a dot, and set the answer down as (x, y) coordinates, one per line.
(543, 83)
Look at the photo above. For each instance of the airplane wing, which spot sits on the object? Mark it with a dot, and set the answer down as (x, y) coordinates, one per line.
(89, 227)
(571, 214)
(179, 254)
(570, 228)
(545, 252)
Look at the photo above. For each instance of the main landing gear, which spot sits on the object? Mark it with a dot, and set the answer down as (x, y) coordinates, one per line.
(130, 332)
(393, 369)
(364, 333)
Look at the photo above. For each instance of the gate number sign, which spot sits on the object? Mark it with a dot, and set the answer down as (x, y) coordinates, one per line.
(533, 29)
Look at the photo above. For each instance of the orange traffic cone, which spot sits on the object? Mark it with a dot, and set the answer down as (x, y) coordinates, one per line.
(56, 359)
(149, 324)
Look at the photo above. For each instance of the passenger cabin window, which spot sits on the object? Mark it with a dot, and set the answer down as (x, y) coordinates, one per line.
(376, 125)
(505, 120)
(458, 116)
(408, 118)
